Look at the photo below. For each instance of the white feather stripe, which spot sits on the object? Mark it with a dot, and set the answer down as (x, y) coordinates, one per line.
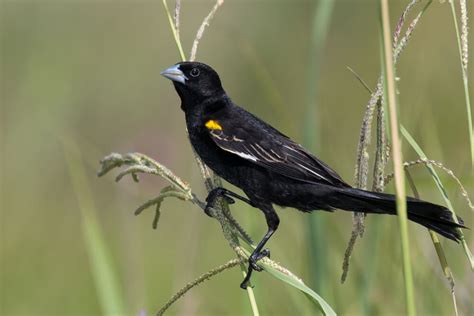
(241, 154)
(312, 171)
(272, 159)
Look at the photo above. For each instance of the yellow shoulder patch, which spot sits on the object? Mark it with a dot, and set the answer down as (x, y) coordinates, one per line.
(211, 124)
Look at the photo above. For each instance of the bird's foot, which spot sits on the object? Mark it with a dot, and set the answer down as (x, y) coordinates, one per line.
(228, 199)
(256, 257)
(264, 253)
(245, 284)
(253, 266)
(212, 198)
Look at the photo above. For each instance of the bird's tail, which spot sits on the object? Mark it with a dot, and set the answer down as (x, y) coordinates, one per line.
(435, 217)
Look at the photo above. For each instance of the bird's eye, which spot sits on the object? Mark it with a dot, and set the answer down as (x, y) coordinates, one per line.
(194, 72)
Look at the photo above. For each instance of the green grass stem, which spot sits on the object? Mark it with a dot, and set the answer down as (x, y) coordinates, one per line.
(438, 247)
(250, 294)
(391, 101)
(106, 281)
(464, 79)
(322, 13)
(174, 31)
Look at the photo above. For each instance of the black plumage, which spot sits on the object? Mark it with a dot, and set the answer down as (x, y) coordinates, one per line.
(270, 167)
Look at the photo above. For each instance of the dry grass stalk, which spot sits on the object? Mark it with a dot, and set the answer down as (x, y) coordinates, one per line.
(202, 28)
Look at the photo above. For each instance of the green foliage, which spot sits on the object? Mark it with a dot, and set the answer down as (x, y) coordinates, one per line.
(106, 279)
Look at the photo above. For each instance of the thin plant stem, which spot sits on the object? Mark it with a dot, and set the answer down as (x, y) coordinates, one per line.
(438, 247)
(442, 190)
(390, 97)
(177, 13)
(429, 162)
(250, 293)
(359, 78)
(202, 28)
(174, 31)
(463, 49)
(206, 276)
(464, 34)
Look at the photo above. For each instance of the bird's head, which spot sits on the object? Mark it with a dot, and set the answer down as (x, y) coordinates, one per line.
(194, 81)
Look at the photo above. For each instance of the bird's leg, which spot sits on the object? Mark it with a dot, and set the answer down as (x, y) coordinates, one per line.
(272, 221)
(218, 192)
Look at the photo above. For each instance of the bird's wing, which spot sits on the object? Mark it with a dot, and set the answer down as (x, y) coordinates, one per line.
(261, 144)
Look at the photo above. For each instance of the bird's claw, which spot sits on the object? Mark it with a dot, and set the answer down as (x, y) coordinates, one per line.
(212, 197)
(258, 256)
(207, 210)
(211, 202)
(262, 254)
(253, 266)
(229, 199)
(256, 267)
(245, 284)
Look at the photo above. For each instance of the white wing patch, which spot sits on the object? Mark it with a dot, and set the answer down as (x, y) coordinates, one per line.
(243, 155)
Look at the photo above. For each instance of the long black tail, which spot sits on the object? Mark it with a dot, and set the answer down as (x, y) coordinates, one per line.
(435, 217)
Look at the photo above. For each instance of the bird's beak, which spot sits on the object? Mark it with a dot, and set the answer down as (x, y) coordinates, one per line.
(175, 74)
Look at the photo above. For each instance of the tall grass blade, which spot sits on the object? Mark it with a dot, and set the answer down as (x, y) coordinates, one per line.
(318, 300)
(445, 267)
(288, 277)
(441, 188)
(391, 100)
(438, 247)
(106, 281)
(299, 284)
(311, 136)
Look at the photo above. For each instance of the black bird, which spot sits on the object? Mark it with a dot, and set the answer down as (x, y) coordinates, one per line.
(270, 167)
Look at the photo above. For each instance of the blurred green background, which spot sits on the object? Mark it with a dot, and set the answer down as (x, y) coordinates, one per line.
(83, 76)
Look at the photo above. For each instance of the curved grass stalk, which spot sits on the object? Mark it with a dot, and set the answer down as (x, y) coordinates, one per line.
(206, 276)
(442, 190)
(438, 247)
(202, 28)
(426, 162)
